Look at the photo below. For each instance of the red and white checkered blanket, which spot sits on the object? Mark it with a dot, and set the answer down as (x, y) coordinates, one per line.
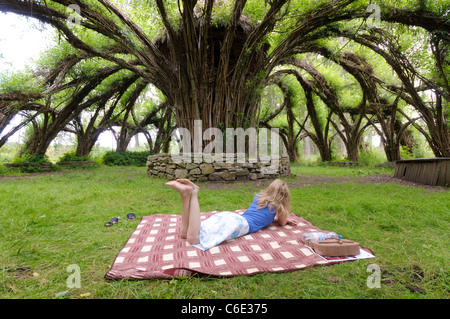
(156, 250)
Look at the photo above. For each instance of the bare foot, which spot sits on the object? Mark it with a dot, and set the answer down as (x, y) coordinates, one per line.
(189, 183)
(182, 188)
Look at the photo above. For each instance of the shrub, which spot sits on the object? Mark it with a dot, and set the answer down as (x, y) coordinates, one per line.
(406, 153)
(30, 169)
(30, 163)
(126, 158)
(28, 158)
(71, 157)
(3, 169)
(372, 157)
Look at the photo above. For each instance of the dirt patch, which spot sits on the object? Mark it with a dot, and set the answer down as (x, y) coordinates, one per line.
(386, 178)
(308, 180)
(62, 172)
(31, 175)
(19, 271)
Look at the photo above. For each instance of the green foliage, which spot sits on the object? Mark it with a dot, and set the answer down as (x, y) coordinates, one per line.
(255, 10)
(222, 12)
(30, 169)
(406, 153)
(50, 58)
(71, 157)
(3, 170)
(372, 157)
(29, 158)
(145, 14)
(126, 158)
(20, 81)
(30, 163)
(436, 6)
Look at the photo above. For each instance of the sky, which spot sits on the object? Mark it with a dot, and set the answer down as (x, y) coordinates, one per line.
(21, 40)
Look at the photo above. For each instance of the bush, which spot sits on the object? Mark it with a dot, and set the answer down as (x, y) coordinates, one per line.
(33, 163)
(71, 157)
(27, 158)
(29, 169)
(372, 158)
(3, 169)
(126, 158)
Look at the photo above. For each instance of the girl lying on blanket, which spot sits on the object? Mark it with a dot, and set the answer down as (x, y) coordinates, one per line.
(273, 204)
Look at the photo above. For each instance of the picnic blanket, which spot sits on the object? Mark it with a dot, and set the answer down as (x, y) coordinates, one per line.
(156, 250)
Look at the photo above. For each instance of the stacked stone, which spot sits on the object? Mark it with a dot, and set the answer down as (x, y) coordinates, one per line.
(163, 165)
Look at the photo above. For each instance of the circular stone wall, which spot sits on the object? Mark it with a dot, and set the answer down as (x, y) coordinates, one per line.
(163, 165)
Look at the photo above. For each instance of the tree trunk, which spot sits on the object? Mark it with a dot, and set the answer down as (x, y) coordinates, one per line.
(41, 138)
(392, 152)
(123, 139)
(85, 142)
(352, 145)
(324, 150)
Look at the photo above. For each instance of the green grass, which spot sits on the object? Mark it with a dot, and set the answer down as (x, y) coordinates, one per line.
(49, 222)
(336, 171)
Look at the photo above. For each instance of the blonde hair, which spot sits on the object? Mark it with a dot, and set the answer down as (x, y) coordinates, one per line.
(277, 196)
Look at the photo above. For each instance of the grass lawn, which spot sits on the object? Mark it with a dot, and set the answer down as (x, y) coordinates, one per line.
(49, 222)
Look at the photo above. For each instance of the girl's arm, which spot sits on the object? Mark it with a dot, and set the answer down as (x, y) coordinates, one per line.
(282, 220)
